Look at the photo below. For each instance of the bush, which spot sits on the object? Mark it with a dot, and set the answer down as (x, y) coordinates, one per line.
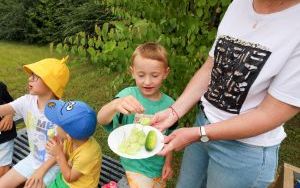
(44, 21)
(186, 28)
(12, 20)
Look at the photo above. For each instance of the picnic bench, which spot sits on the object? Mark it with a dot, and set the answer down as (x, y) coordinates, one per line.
(111, 169)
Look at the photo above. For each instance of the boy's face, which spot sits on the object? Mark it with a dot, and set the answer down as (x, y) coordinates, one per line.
(36, 86)
(149, 75)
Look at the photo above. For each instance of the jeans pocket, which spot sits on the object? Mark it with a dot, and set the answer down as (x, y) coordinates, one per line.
(269, 166)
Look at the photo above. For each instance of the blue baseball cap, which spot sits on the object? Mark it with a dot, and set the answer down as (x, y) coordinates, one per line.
(75, 117)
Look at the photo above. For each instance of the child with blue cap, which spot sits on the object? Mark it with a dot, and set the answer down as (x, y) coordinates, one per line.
(75, 150)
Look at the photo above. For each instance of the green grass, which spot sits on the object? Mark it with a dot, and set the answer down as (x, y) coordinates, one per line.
(89, 83)
(85, 83)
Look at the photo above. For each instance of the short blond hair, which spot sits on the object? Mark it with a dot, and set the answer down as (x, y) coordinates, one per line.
(151, 50)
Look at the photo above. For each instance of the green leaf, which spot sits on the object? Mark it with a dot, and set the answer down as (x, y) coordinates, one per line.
(199, 12)
(91, 42)
(70, 40)
(76, 41)
(82, 41)
(81, 51)
(74, 50)
(59, 48)
(109, 46)
(98, 42)
(212, 2)
(201, 3)
(122, 44)
(91, 51)
(225, 2)
(120, 26)
(97, 30)
(82, 34)
(104, 30)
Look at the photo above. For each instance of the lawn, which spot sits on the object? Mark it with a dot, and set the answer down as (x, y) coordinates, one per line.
(87, 82)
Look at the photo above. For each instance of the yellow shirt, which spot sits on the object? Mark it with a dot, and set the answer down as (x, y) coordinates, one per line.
(86, 159)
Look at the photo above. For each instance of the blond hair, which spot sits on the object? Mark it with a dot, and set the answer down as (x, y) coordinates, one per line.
(151, 50)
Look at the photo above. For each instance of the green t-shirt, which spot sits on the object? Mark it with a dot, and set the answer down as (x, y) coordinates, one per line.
(152, 166)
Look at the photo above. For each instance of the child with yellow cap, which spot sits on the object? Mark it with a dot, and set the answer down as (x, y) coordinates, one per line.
(47, 80)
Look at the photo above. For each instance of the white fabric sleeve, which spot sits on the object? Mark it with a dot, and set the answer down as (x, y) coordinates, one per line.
(285, 85)
(18, 105)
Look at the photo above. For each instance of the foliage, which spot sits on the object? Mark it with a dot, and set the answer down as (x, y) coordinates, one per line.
(44, 21)
(12, 19)
(86, 84)
(186, 28)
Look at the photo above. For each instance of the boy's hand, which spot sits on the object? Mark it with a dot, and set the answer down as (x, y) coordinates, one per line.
(167, 171)
(36, 180)
(6, 123)
(54, 147)
(128, 105)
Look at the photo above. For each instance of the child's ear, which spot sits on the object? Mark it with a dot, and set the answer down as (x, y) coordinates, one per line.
(131, 71)
(167, 71)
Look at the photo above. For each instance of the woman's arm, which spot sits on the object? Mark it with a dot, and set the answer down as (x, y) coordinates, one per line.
(270, 114)
(195, 89)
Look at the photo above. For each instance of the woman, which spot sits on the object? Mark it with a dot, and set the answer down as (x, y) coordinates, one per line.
(248, 88)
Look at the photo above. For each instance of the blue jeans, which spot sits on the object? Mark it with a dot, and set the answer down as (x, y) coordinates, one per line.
(227, 164)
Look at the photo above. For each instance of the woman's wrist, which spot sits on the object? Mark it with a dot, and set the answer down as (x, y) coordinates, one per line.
(196, 133)
(174, 113)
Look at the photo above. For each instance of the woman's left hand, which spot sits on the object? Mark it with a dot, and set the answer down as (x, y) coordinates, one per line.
(179, 139)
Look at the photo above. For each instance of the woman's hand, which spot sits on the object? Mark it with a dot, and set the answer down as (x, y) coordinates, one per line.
(54, 147)
(128, 105)
(164, 119)
(179, 139)
(6, 123)
(36, 180)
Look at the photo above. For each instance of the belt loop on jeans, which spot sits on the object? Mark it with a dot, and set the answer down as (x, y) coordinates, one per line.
(202, 109)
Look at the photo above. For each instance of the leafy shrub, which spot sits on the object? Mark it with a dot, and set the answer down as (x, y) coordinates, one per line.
(12, 20)
(186, 28)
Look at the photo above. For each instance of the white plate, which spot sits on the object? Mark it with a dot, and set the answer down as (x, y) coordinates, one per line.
(116, 137)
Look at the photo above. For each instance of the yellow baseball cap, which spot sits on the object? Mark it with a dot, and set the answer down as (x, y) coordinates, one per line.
(53, 72)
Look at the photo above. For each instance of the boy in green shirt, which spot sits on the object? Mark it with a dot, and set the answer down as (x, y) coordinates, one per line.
(149, 69)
